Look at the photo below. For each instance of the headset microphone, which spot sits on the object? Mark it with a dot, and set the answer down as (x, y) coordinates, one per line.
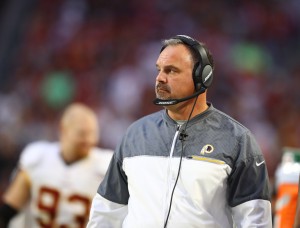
(166, 102)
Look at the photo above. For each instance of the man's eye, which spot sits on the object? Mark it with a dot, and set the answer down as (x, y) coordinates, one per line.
(172, 71)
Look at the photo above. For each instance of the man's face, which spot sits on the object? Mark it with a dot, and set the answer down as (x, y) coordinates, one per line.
(175, 67)
(80, 136)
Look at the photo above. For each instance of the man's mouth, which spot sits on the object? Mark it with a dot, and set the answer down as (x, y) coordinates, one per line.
(161, 88)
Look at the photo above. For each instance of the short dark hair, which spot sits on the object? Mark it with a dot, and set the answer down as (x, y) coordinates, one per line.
(195, 55)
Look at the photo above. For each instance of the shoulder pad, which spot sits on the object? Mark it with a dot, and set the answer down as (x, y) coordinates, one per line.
(33, 153)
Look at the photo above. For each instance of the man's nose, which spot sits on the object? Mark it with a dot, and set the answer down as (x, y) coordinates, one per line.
(161, 77)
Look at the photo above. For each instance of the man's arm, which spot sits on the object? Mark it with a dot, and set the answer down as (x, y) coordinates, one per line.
(16, 196)
(254, 213)
(106, 214)
(248, 187)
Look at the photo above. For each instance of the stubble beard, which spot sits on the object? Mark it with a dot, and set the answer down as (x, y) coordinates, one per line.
(162, 91)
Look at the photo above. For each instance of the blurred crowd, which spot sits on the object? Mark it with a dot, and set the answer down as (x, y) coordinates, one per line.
(103, 53)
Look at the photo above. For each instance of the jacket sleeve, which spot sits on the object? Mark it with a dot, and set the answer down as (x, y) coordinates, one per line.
(106, 214)
(248, 186)
(254, 213)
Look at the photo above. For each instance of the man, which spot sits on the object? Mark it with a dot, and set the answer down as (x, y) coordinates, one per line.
(189, 165)
(59, 179)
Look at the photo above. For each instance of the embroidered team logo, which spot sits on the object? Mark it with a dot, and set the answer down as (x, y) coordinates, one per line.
(207, 149)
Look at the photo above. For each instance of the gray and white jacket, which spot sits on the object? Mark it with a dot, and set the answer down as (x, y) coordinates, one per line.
(223, 179)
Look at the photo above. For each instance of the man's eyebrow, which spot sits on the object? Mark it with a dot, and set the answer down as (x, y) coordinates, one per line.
(168, 66)
(171, 67)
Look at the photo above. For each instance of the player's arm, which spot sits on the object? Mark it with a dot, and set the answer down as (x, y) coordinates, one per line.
(15, 197)
(297, 216)
(248, 187)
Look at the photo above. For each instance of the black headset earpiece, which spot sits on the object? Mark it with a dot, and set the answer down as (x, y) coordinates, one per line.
(203, 71)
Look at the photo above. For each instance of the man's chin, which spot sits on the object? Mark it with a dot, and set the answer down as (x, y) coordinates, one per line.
(163, 97)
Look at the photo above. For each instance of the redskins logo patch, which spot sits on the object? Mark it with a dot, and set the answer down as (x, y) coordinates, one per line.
(207, 149)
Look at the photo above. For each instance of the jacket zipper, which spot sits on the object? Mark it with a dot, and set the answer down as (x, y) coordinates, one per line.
(169, 174)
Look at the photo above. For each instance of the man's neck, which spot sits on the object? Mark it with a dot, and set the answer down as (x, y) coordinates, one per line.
(183, 113)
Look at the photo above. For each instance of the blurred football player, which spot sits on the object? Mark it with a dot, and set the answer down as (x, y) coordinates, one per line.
(57, 180)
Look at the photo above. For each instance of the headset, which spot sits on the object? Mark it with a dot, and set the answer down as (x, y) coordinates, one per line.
(202, 71)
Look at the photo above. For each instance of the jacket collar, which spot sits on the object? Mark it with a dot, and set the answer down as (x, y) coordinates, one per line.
(193, 120)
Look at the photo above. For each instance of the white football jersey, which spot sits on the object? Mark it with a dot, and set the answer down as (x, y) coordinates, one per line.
(61, 194)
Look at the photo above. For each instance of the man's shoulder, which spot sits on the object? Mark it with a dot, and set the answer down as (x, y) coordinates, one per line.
(36, 151)
(228, 122)
(40, 147)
